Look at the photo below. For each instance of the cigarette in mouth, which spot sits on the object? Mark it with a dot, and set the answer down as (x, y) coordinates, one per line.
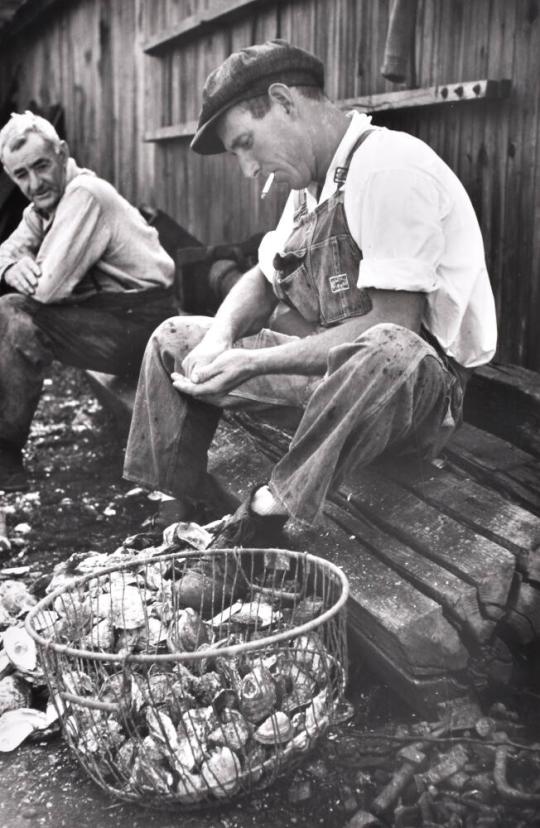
(267, 184)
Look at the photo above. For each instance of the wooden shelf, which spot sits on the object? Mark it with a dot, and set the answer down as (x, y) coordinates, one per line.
(213, 16)
(450, 93)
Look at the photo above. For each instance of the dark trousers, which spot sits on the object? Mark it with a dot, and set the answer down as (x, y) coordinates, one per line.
(107, 332)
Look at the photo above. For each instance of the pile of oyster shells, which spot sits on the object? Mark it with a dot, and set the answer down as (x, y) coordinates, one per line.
(21, 679)
(207, 724)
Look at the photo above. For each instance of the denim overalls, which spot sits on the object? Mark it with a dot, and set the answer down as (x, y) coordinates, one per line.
(317, 271)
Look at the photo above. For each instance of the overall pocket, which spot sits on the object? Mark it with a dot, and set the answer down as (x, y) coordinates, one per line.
(293, 285)
(334, 267)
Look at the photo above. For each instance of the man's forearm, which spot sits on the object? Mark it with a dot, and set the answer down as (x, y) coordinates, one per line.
(245, 309)
(310, 354)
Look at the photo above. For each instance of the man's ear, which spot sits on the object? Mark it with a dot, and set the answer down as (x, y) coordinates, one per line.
(281, 94)
(63, 151)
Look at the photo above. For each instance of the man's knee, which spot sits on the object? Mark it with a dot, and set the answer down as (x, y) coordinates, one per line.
(16, 315)
(383, 347)
(12, 304)
(178, 335)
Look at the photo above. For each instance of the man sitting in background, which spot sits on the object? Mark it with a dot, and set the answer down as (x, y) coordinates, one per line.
(83, 280)
(379, 257)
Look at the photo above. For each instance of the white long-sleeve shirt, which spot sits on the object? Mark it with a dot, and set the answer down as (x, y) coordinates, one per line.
(95, 241)
(417, 230)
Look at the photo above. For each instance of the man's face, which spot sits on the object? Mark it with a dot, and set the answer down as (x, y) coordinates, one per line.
(274, 143)
(39, 170)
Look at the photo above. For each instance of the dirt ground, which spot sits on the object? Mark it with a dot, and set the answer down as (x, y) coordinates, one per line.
(78, 502)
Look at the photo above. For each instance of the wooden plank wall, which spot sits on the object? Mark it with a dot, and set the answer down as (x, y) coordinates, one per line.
(89, 56)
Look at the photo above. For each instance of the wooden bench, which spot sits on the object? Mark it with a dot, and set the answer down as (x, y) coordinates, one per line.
(443, 558)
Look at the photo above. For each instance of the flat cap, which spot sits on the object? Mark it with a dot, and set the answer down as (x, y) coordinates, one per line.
(247, 74)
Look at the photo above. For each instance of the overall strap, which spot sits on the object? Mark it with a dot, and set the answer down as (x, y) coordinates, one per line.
(340, 173)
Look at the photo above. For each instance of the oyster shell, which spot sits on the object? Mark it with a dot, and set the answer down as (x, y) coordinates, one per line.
(254, 759)
(318, 715)
(233, 731)
(297, 699)
(257, 614)
(15, 597)
(275, 730)
(193, 730)
(222, 772)
(79, 683)
(74, 608)
(187, 631)
(154, 634)
(161, 728)
(125, 690)
(157, 689)
(306, 610)
(148, 777)
(206, 687)
(14, 693)
(20, 649)
(125, 758)
(99, 735)
(228, 668)
(17, 725)
(100, 637)
(191, 787)
(257, 694)
(128, 607)
(128, 640)
(310, 653)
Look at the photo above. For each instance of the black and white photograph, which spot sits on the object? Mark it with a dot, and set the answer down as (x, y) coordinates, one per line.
(269, 413)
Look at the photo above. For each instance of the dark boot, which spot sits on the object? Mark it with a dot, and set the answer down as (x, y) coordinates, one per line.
(13, 476)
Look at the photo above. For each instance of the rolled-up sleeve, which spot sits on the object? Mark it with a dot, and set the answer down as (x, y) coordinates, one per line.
(400, 214)
(76, 240)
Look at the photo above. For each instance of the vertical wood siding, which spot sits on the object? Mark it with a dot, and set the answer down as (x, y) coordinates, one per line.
(90, 58)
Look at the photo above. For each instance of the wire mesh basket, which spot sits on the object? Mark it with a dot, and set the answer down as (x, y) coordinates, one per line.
(191, 678)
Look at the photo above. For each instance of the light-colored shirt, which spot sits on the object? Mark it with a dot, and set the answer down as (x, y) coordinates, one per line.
(417, 229)
(95, 241)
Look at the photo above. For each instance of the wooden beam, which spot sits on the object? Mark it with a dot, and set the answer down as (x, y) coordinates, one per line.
(406, 99)
(216, 14)
(168, 133)
(449, 93)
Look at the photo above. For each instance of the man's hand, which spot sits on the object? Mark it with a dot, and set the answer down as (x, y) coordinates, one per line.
(23, 275)
(202, 355)
(219, 376)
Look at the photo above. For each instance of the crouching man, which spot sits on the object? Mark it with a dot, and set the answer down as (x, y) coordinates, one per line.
(379, 257)
(83, 280)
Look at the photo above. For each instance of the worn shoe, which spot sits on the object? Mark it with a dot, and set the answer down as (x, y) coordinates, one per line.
(218, 579)
(13, 477)
(245, 528)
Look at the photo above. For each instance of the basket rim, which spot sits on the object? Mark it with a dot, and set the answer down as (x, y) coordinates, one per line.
(163, 658)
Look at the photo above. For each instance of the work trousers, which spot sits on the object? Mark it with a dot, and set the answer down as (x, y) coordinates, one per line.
(107, 332)
(387, 389)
